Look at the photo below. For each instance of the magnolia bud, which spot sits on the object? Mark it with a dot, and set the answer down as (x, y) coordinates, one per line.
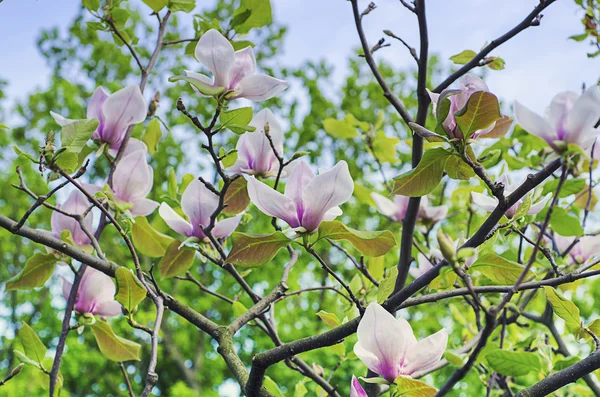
(446, 246)
(16, 370)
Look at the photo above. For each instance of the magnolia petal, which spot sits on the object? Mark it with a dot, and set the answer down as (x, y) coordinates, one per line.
(484, 202)
(260, 87)
(143, 207)
(95, 288)
(202, 80)
(433, 214)
(583, 117)
(386, 207)
(558, 112)
(434, 98)
(332, 214)
(562, 243)
(271, 202)
(66, 288)
(533, 123)
(133, 178)
(537, 207)
(325, 191)
(174, 220)
(244, 65)
(423, 266)
(266, 117)
(76, 203)
(216, 53)
(471, 83)
(227, 226)
(94, 108)
(589, 246)
(381, 341)
(61, 120)
(356, 390)
(122, 109)
(425, 353)
(199, 203)
(108, 309)
(294, 188)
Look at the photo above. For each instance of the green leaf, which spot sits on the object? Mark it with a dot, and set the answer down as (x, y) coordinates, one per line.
(75, 136)
(481, 110)
(564, 308)
(250, 250)
(204, 88)
(363, 194)
(130, 290)
(409, 387)
(37, 271)
(272, 387)
(456, 168)
(91, 5)
(496, 63)
(237, 117)
(67, 161)
(367, 243)
(376, 266)
(260, 14)
(425, 177)
(565, 224)
(147, 240)
(26, 360)
(579, 37)
(330, 319)
(22, 153)
(182, 5)
(342, 129)
(498, 269)
(464, 57)
(112, 346)
(238, 308)
(523, 208)
(565, 363)
(3, 127)
(177, 260)
(33, 348)
(386, 286)
(229, 158)
(512, 363)
(454, 359)
(569, 187)
(385, 148)
(152, 135)
(300, 389)
(156, 5)
(236, 197)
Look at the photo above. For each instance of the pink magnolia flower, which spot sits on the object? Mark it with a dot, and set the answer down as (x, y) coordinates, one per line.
(570, 119)
(77, 204)
(95, 294)
(388, 347)
(255, 154)
(396, 209)
(115, 112)
(198, 204)
(233, 70)
(489, 204)
(583, 250)
(469, 84)
(132, 181)
(308, 199)
(356, 390)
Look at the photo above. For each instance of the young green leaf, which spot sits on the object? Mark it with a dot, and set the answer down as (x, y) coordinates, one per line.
(36, 272)
(481, 110)
(176, 261)
(463, 58)
(511, 363)
(409, 387)
(182, 5)
(152, 135)
(425, 177)
(564, 308)
(260, 15)
(565, 224)
(342, 129)
(33, 347)
(147, 240)
(156, 5)
(130, 291)
(75, 136)
(498, 269)
(251, 250)
(237, 117)
(386, 287)
(330, 319)
(204, 88)
(112, 346)
(456, 168)
(367, 243)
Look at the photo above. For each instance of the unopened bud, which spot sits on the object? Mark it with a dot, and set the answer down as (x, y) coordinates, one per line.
(16, 370)
(389, 33)
(318, 369)
(446, 246)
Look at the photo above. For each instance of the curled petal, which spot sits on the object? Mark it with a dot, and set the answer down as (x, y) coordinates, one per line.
(260, 87)
(174, 220)
(425, 353)
(95, 289)
(356, 390)
(325, 191)
(94, 108)
(202, 81)
(108, 309)
(272, 203)
(332, 214)
(121, 109)
(61, 120)
(216, 53)
(227, 226)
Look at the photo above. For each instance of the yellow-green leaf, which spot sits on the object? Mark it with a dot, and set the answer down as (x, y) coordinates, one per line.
(130, 291)
(147, 240)
(330, 319)
(112, 346)
(511, 363)
(498, 269)
(33, 347)
(236, 198)
(425, 177)
(482, 109)
(255, 250)
(37, 271)
(176, 261)
(367, 243)
(564, 308)
(409, 387)
(152, 135)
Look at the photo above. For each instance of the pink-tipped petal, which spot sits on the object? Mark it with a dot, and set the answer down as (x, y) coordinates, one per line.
(425, 353)
(244, 65)
(95, 288)
(534, 124)
(260, 87)
(227, 226)
(198, 203)
(589, 246)
(484, 202)
(122, 109)
(558, 112)
(216, 53)
(356, 390)
(174, 220)
(77, 204)
(272, 203)
(325, 191)
(261, 120)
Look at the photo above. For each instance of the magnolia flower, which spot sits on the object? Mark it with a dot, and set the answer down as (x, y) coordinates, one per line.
(388, 347)
(308, 199)
(95, 294)
(424, 264)
(396, 210)
(75, 204)
(232, 70)
(356, 390)
(132, 181)
(198, 204)
(583, 250)
(115, 112)
(458, 98)
(489, 204)
(570, 119)
(255, 154)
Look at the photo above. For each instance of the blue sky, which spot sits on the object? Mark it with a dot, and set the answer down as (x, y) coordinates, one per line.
(539, 63)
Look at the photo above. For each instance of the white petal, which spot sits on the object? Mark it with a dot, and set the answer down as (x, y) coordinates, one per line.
(227, 226)
(425, 353)
(199, 203)
(264, 117)
(94, 108)
(297, 181)
(201, 78)
(533, 123)
(537, 207)
(244, 65)
(484, 202)
(332, 214)
(120, 110)
(217, 54)
(174, 220)
(384, 205)
(582, 118)
(133, 178)
(143, 207)
(271, 202)
(260, 87)
(60, 120)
